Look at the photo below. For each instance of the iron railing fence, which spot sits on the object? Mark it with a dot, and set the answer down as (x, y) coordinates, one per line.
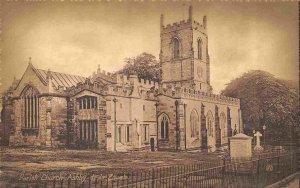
(259, 171)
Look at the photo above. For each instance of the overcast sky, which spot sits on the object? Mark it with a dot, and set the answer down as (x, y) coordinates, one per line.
(75, 37)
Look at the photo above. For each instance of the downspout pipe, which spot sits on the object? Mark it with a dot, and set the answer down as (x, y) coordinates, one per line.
(184, 106)
(115, 124)
(177, 128)
(156, 110)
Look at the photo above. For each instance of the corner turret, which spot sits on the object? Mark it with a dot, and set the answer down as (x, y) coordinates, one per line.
(205, 22)
(190, 13)
(161, 21)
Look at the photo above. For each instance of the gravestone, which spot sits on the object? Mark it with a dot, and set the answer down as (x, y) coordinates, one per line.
(258, 147)
(240, 146)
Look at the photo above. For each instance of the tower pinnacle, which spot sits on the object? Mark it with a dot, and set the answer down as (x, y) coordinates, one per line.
(161, 20)
(205, 22)
(191, 13)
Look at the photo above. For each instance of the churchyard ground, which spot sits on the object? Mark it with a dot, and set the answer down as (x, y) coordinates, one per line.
(21, 163)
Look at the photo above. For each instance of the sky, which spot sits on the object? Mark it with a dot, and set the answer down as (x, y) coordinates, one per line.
(76, 37)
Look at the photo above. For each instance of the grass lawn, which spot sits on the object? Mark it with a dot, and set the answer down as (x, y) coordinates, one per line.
(15, 162)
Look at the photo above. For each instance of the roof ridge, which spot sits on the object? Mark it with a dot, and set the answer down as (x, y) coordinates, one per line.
(63, 73)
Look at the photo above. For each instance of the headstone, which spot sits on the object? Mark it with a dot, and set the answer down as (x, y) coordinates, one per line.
(258, 147)
(240, 146)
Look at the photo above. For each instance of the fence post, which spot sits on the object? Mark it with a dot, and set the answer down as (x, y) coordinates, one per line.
(101, 180)
(61, 183)
(223, 171)
(257, 171)
(278, 168)
(123, 177)
(69, 182)
(96, 182)
(152, 178)
(136, 179)
(107, 180)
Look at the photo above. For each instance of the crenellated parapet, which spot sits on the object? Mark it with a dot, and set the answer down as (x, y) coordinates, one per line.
(134, 87)
(199, 27)
(178, 92)
(123, 86)
(87, 85)
(118, 90)
(129, 91)
(183, 24)
(134, 81)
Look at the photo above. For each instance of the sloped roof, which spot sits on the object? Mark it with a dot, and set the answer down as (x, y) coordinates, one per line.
(61, 79)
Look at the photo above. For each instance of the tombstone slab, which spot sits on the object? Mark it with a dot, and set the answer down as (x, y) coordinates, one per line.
(240, 146)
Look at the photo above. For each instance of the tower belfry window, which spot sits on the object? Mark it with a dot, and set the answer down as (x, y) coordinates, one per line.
(176, 48)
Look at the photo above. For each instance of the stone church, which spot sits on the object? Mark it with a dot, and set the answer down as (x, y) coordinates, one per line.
(115, 112)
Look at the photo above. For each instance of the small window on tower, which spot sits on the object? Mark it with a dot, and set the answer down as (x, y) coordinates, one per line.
(176, 48)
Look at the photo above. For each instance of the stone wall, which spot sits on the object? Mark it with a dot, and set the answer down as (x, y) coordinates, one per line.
(52, 123)
(167, 107)
(58, 121)
(98, 114)
(7, 120)
(133, 112)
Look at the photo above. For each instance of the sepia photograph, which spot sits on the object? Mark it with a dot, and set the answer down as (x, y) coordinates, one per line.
(149, 94)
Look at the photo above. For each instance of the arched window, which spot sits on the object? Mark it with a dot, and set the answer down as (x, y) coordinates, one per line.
(223, 125)
(194, 123)
(176, 48)
(31, 108)
(164, 127)
(199, 49)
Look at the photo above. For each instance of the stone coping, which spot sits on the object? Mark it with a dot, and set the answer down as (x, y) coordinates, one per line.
(240, 136)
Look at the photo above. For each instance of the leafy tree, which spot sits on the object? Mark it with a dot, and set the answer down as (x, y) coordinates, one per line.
(145, 66)
(266, 100)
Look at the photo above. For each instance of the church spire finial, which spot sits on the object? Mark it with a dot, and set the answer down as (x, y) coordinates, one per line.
(29, 60)
(48, 74)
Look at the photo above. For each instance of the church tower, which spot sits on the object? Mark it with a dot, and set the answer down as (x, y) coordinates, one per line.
(184, 55)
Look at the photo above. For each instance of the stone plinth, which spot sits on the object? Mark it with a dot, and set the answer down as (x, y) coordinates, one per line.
(240, 146)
